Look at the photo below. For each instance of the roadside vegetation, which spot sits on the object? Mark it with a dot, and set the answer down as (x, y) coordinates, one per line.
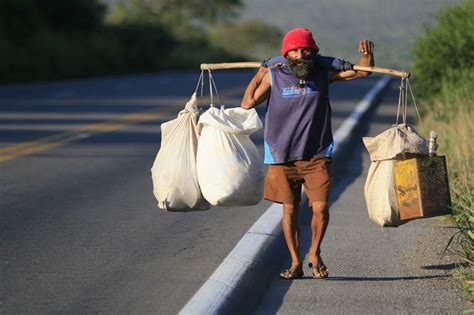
(444, 73)
(56, 39)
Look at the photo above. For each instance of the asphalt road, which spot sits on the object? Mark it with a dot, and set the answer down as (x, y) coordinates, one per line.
(373, 270)
(79, 227)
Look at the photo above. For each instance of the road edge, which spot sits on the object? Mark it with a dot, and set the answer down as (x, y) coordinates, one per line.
(236, 285)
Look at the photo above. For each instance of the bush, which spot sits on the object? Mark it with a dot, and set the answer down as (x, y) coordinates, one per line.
(252, 38)
(77, 15)
(142, 47)
(17, 19)
(452, 95)
(454, 138)
(445, 51)
(114, 49)
(47, 55)
(57, 39)
(444, 70)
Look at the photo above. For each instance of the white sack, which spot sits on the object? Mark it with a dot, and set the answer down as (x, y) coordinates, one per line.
(394, 142)
(379, 189)
(380, 194)
(230, 169)
(174, 174)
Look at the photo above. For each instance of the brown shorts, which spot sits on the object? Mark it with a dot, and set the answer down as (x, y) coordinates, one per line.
(283, 181)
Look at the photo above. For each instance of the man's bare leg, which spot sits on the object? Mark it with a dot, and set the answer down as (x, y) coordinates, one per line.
(319, 224)
(292, 232)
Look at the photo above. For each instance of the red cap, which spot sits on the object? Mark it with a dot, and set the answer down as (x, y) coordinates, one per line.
(298, 38)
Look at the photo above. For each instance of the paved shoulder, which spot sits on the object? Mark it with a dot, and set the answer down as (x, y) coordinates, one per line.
(372, 270)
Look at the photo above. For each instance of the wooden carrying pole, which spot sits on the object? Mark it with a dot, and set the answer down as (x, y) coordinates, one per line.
(242, 65)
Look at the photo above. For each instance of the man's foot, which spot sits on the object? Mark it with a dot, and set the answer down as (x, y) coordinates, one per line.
(292, 273)
(319, 271)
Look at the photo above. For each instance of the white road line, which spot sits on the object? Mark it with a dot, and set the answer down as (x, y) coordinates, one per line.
(343, 132)
(84, 135)
(231, 276)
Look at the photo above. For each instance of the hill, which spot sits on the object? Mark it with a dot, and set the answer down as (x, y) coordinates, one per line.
(338, 24)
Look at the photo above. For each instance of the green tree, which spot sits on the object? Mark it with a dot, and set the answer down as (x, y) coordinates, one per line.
(175, 14)
(76, 15)
(251, 38)
(187, 21)
(18, 18)
(446, 52)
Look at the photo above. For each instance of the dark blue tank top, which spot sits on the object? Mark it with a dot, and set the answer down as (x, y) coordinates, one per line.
(298, 119)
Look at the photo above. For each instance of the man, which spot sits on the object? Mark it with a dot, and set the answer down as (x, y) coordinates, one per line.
(298, 138)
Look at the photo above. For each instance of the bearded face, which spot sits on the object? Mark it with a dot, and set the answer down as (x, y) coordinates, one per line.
(301, 68)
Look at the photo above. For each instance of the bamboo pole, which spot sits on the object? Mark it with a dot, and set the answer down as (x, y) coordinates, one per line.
(229, 65)
(397, 73)
(243, 65)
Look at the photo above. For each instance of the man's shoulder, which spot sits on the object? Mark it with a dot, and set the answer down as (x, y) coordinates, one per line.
(322, 62)
(274, 61)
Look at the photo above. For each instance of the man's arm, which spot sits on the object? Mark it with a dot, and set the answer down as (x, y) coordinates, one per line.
(366, 48)
(258, 89)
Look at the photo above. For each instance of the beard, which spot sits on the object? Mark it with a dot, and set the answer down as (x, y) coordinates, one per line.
(301, 68)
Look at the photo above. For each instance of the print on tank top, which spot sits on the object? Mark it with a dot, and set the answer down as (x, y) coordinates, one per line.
(297, 91)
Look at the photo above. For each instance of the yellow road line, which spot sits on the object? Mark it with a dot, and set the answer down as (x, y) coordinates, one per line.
(54, 141)
(37, 147)
(21, 146)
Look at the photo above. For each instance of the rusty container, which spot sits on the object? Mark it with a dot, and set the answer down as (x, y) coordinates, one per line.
(422, 187)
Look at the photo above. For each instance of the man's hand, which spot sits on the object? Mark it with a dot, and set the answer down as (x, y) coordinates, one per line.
(366, 48)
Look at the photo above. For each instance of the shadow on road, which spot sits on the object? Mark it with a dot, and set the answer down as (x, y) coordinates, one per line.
(389, 278)
(444, 266)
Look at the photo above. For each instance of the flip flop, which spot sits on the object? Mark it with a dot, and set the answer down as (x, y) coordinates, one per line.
(320, 271)
(292, 274)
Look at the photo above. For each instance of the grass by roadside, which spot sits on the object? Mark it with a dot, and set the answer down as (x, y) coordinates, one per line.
(445, 85)
(455, 138)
